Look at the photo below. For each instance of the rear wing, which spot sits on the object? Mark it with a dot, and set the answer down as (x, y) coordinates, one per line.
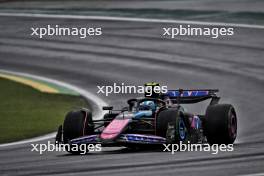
(182, 96)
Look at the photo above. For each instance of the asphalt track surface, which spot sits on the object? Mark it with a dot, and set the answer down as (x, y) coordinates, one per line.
(135, 53)
(199, 5)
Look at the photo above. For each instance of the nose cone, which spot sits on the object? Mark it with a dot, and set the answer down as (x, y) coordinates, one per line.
(114, 129)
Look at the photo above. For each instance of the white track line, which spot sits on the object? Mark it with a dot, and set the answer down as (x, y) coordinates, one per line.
(255, 174)
(31, 140)
(131, 19)
(88, 95)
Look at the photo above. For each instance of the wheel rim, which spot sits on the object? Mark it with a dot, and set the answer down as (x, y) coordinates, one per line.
(233, 125)
(182, 131)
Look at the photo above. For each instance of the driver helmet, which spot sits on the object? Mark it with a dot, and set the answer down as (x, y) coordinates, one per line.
(147, 105)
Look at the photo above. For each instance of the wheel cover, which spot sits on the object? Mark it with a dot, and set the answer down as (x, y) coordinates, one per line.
(182, 132)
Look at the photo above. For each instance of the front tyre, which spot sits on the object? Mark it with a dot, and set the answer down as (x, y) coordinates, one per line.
(220, 124)
(171, 124)
(76, 124)
(177, 131)
(58, 138)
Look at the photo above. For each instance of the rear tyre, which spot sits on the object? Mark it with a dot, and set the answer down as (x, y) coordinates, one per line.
(76, 124)
(220, 124)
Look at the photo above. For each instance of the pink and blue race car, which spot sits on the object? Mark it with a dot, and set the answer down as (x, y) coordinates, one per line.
(153, 121)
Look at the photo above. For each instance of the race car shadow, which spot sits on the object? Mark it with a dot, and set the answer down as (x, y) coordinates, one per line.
(118, 150)
(129, 150)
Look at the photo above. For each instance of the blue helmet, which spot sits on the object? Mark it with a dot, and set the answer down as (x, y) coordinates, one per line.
(147, 105)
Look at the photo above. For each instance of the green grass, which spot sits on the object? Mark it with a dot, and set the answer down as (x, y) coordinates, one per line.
(26, 112)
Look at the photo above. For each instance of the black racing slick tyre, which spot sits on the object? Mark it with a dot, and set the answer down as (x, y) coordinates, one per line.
(172, 126)
(58, 138)
(162, 120)
(76, 124)
(220, 124)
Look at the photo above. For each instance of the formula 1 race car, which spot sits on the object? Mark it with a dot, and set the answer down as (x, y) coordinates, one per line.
(152, 121)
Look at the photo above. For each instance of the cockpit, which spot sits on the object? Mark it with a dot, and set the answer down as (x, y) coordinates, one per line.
(145, 106)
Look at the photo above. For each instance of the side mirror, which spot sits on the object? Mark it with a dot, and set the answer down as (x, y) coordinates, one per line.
(110, 108)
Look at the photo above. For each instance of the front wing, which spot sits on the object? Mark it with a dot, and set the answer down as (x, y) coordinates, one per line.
(122, 139)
